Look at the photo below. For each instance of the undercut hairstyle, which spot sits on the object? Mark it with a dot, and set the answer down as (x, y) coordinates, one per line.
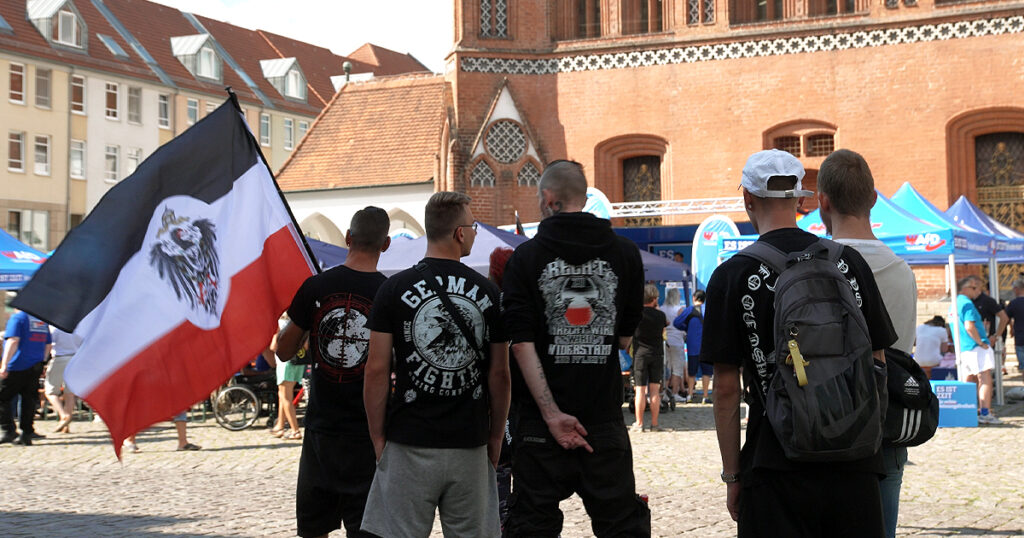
(369, 229)
(566, 181)
(699, 295)
(845, 178)
(650, 293)
(445, 210)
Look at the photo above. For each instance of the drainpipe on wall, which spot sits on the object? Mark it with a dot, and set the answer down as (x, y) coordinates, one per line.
(67, 177)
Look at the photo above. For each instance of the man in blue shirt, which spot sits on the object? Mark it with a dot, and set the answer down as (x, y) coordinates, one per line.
(976, 356)
(27, 344)
(691, 321)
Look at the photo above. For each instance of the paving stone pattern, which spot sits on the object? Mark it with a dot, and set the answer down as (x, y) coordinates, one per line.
(963, 482)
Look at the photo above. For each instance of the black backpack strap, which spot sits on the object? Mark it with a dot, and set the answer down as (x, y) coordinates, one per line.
(775, 259)
(428, 275)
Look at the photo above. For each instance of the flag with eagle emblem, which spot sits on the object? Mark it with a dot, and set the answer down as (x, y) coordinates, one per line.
(176, 278)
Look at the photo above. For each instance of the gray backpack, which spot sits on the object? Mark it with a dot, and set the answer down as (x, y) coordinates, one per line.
(823, 395)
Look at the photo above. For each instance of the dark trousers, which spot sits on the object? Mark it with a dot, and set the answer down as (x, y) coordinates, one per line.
(24, 383)
(544, 474)
(810, 504)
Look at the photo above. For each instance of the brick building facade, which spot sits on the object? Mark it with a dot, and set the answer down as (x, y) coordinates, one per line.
(664, 99)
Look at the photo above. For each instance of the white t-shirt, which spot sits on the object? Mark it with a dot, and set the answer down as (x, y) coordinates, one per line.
(897, 285)
(673, 336)
(929, 345)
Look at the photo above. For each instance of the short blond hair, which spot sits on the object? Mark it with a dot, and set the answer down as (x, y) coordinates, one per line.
(651, 293)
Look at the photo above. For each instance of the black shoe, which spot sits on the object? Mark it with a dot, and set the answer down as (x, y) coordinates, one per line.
(8, 437)
(23, 440)
(37, 435)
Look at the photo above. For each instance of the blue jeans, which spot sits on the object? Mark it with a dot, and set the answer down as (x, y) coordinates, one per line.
(894, 458)
(1020, 358)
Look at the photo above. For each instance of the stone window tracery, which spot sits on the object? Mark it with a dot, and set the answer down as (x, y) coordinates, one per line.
(482, 175)
(529, 176)
(494, 18)
(506, 141)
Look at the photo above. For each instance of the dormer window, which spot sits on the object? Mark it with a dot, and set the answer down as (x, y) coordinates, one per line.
(198, 54)
(59, 22)
(286, 76)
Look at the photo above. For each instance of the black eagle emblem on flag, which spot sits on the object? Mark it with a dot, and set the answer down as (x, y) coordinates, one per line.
(185, 256)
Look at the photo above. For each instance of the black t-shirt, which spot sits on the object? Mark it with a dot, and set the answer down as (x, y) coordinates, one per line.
(441, 397)
(334, 307)
(649, 335)
(1016, 312)
(989, 308)
(738, 330)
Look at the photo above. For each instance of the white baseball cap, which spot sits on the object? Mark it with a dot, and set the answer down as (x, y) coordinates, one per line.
(770, 163)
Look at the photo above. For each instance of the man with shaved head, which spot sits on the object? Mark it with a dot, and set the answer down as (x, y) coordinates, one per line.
(572, 297)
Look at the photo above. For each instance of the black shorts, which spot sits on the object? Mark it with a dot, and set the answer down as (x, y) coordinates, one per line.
(693, 364)
(810, 504)
(335, 473)
(648, 369)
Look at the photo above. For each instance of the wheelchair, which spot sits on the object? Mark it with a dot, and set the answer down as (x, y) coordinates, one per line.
(240, 403)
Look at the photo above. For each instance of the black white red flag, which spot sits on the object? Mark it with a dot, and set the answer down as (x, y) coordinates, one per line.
(176, 279)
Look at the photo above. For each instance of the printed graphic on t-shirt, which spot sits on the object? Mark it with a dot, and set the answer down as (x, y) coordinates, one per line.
(341, 337)
(442, 361)
(580, 306)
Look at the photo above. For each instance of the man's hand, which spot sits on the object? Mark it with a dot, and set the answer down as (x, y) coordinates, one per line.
(732, 499)
(3, 373)
(568, 432)
(494, 450)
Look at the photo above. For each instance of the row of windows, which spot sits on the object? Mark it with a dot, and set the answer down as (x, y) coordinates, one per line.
(579, 19)
(42, 157)
(17, 143)
(112, 103)
(816, 145)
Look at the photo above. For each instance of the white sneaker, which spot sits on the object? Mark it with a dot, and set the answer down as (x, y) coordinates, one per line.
(637, 428)
(988, 419)
(130, 447)
(678, 398)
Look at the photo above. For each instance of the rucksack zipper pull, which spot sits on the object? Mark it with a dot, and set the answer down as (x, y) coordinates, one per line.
(797, 360)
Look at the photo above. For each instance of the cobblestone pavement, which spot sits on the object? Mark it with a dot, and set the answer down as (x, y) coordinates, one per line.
(963, 482)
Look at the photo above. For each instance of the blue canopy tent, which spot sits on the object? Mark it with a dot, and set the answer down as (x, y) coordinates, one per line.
(1009, 242)
(662, 269)
(914, 239)
(1009, 249)
(327, 255)
(18, 262)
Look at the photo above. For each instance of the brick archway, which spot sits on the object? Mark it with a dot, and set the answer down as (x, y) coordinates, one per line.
(960, 134)
(609, 154)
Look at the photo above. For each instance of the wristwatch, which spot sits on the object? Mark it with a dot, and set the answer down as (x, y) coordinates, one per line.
(730, 478)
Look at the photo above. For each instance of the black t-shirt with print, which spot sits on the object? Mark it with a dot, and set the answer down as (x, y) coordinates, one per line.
(738, 330)
(441, 397)
(650, 333)
(334, 307)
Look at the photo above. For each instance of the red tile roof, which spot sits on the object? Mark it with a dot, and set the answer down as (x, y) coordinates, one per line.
(247, 48)
(385, 131)
(27, 40)
(387, 61)
(317, 63)
(153, 25)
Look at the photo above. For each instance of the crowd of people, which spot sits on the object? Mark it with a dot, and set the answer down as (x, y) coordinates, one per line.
(430, 388)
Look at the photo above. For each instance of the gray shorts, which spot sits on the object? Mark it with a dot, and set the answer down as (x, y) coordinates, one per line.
(411, 482)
